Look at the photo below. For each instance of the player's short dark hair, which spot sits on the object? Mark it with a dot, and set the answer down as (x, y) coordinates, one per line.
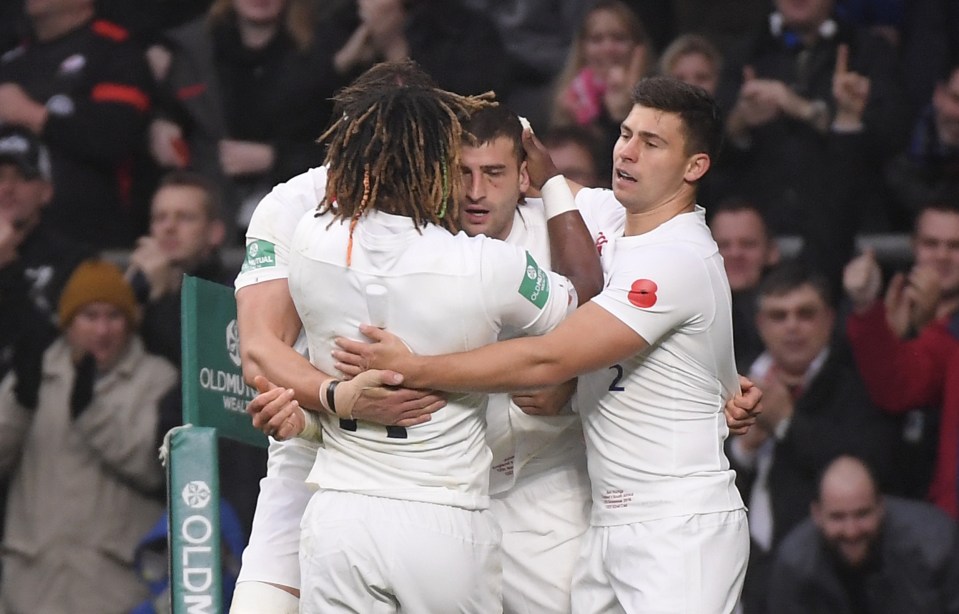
(491, 123)
(698, 111)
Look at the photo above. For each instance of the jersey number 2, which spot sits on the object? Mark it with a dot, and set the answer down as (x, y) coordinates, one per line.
(614, 385)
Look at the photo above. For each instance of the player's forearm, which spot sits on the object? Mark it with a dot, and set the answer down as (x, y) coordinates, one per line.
(572, 251)
(506, 366)
(285, 367)
(573, 254)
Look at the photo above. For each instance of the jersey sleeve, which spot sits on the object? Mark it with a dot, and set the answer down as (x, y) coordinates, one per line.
(271, 227)
(663, 290)
(602, 213)
(520, 294)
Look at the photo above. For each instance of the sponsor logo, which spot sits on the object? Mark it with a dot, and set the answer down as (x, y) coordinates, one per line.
(259, 254)
(642, 293)
(233, 342)
(535, 284)
(196, 494)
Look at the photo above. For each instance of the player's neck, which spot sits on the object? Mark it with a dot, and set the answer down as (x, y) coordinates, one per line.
(640, 222)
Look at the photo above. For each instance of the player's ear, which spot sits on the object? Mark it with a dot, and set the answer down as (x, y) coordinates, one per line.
(523, 177)
(696, 167)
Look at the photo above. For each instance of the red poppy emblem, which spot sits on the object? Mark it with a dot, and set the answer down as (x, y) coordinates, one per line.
(643, 293)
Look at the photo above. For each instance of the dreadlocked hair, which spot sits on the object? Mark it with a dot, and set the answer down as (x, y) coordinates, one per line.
(397, 149)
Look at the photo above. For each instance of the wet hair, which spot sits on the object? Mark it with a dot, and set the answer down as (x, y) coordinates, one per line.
(395, 146)
(698, 111)
(491, 123)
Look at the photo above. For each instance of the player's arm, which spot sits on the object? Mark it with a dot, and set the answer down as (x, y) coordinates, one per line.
(572, 250)
(269, 325)
(589, 339)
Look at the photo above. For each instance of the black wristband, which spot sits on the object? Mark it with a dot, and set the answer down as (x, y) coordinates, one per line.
(330, 396)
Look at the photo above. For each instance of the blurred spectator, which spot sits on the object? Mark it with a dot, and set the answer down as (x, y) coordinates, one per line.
(724, 22)
(693, 59)
(929, 167)
(186, 233)
(610, 40)
(610, 54)
(925, 34)
(778, 92)
(148, 19)
(78, 438)
(904, 373)
(659, 17)
(35, 260)
(575, 152)
(537, 35)
(748, 251)
(247, 91)
(81, 85)
(457, 46)
(865, 552)
(815, 409)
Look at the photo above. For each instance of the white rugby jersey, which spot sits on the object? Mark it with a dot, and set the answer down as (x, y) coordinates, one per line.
(447, 293)
(654, 424)
(272, 225)
(522, 445)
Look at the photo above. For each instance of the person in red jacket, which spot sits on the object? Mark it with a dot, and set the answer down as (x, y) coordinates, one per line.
(903, 372)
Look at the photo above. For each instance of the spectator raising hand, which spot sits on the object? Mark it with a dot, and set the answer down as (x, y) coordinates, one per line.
(851, 92)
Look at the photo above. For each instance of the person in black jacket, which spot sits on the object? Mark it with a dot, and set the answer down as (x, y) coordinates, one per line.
(84, 88)
(861, 551)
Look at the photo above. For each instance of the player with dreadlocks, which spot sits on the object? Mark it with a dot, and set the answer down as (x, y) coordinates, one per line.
(397, 508)
(269, 578)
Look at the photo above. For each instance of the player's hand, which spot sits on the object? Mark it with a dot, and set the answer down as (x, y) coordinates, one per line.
(546, 401)
(744, 408)
(391, 406)
(539, 164)
(862, 280)
(275, 411)
(386, 352)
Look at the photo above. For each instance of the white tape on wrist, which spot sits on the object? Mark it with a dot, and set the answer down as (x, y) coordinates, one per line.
(311, 431)
(557, 197)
